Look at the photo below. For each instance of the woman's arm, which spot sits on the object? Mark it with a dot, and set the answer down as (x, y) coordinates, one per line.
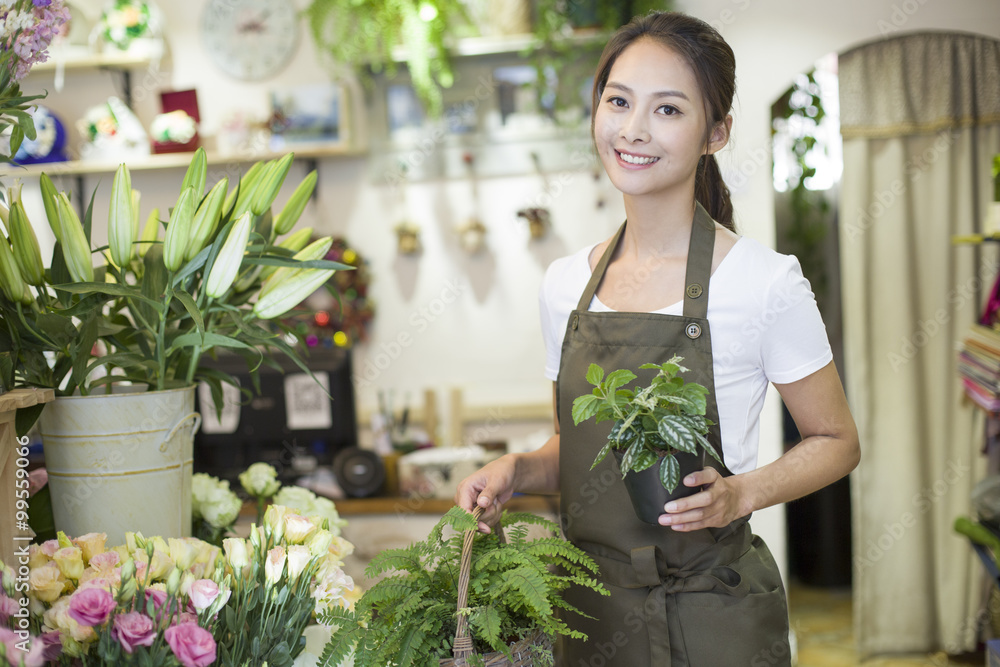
(494, 484)
(829, 450)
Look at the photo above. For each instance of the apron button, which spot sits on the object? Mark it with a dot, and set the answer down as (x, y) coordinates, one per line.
(694, 290)
(576, 322)
(693, 330)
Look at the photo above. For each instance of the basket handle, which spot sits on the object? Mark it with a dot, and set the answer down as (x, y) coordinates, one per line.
(462, 647)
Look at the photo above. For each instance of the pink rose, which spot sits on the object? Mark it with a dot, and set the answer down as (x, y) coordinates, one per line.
(91, 606)
(51, 645)
(105, 562)
(33, 657)
(133, 629)
(37, 478)
(203, 593)
(50, 547)
(8, 607)
(191, 644)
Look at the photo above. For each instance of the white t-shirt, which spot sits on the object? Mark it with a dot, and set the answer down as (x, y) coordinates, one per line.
(764, 322)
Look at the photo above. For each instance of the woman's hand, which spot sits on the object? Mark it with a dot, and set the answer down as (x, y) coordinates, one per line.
(718, 504)
(489, 487)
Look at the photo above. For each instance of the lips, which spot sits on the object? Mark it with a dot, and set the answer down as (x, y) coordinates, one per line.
(634, 160)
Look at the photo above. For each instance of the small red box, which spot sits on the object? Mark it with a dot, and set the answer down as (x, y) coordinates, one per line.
(187, 101)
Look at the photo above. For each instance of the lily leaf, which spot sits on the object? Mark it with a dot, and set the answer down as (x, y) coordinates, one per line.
(112, 289)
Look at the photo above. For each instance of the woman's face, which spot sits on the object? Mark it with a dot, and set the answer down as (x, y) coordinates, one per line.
(650, 124)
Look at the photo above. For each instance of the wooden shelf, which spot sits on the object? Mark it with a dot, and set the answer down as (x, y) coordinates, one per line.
(93, 61)
(383, 505)
(177, 161)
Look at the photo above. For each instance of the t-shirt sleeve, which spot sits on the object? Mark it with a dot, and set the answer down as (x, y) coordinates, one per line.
(553, 343)
(795, 344)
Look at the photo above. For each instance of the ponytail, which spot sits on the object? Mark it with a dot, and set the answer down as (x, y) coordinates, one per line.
(712, 193)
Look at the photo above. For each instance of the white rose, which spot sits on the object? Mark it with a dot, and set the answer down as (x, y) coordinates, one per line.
(260, 480)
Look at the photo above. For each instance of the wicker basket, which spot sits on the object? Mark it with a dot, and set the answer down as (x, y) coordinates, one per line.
(521, 650)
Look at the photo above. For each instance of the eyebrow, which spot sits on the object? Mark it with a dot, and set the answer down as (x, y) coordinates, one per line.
(663, 93)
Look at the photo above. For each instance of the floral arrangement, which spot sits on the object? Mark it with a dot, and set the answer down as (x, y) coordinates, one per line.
(27, 27)
(344, 320)
(175, 602)
(212, 275)
(148, 602)
(124, 21)
(173, 127)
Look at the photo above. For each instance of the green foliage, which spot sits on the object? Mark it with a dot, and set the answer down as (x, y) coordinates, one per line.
(650, 424)
(410, 616)
(363, 34)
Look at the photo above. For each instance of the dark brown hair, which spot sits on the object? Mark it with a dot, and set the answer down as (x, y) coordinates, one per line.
(714, 66)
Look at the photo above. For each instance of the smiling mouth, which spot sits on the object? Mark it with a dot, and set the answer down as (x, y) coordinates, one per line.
(636, 159)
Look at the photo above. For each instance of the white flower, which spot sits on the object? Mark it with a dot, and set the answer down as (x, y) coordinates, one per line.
(260, 480)
(274, 565)
(307, 503)
(332, 591)
(299, 558)
(212, 500)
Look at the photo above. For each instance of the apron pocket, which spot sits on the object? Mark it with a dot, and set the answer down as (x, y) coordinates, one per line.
(723, 629)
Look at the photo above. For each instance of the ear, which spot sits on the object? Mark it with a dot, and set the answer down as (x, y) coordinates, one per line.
(720, 135)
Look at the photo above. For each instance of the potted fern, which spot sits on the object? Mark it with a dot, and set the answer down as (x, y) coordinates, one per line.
(412, 615)
(658, 435)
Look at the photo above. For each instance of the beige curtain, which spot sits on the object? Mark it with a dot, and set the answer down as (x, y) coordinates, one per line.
(920, 117)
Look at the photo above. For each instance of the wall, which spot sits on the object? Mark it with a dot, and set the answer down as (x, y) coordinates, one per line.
(448, 320)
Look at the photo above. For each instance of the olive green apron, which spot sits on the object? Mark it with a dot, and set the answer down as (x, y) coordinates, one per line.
(707, 598)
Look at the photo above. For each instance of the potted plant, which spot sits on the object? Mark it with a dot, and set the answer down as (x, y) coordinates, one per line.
(412, 615)
(365, 35)
(658, 434)
(215, 279)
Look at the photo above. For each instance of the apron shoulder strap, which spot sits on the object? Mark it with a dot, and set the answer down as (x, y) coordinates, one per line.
(699, 266)
(595, 277)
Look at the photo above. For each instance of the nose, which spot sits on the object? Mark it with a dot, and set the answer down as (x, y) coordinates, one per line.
(634, 128)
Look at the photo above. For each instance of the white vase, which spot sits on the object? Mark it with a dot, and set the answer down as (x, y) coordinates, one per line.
(121, 462)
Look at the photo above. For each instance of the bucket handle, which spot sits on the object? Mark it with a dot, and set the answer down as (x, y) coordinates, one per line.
(194, 417)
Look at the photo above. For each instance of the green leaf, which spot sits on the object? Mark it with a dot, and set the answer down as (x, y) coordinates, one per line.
(670, 472)
(277, 260)
(112, 289)
(585, 407)
(618, 379)
(630, 456)
(601, 455)
(677, 433)
(206, 340)
(192, 308)
(595, 374)
(645, 459)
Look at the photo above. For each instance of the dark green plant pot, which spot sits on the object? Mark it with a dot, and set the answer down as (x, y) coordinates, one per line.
(648, 495)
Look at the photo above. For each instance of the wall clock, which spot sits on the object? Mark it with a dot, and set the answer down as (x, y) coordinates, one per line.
(250, 39)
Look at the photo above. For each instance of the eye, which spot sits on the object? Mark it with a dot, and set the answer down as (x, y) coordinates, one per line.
(668, 110)
(617, 102)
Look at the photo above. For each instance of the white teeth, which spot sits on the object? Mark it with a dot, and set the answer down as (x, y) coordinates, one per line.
(633, 159)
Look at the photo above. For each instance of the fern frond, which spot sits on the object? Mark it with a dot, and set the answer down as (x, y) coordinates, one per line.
(342, 642)
(530, 584)
(512, 518)
(403, 560)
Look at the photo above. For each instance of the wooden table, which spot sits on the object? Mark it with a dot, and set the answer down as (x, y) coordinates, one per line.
(11, 535)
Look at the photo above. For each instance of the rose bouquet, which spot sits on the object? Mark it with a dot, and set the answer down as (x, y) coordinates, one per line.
(149, 602)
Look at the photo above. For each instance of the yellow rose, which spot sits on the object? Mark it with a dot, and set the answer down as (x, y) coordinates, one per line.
(298, 528)
(160, 565)
(182, 552)
(91, 544)
(236, 553)
(70, 562)
(37, 557)
(46, 583)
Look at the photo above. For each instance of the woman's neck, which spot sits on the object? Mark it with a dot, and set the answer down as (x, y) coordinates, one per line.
(658, 224)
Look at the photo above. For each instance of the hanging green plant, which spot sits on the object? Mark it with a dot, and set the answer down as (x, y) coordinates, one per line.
(363, 35)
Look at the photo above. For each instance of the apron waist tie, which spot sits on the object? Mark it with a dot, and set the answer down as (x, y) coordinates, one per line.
(644, 572)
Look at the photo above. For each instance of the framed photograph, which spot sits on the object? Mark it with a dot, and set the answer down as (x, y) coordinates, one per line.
(308, 113)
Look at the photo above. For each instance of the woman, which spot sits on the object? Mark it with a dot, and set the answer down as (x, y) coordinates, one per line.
(698, 589)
